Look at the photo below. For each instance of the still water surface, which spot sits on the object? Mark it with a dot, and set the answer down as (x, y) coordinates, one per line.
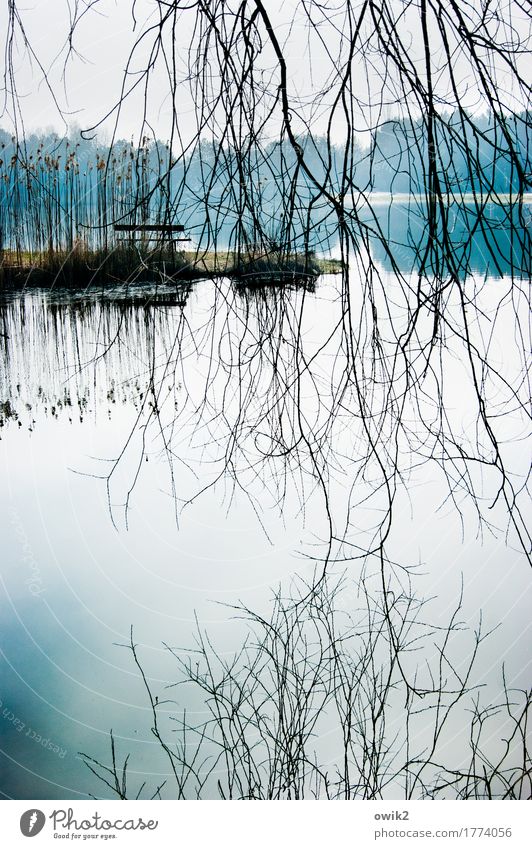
(135, 493)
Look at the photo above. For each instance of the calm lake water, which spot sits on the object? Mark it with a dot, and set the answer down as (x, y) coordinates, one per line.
(141, 487)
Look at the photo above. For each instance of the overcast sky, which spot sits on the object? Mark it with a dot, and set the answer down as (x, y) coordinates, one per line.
(90, 84)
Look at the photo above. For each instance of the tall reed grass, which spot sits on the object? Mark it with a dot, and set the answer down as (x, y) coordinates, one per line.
(58, 208)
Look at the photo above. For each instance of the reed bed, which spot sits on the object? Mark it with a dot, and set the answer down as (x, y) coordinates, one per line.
(60, 201)
(59, 204)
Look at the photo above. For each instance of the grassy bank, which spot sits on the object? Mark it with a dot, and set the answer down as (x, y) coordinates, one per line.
(130, 264)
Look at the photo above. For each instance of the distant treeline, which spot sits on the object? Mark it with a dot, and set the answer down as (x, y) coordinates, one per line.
(59, 193)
